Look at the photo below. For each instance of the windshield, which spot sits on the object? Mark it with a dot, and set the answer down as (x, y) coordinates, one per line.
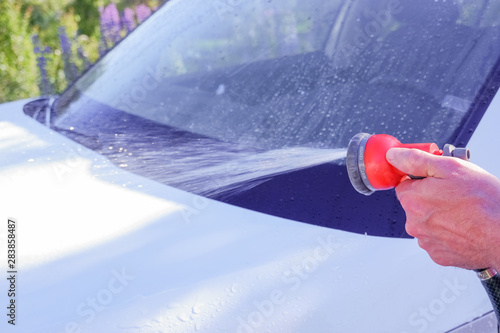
(290, 72)
(199, 84)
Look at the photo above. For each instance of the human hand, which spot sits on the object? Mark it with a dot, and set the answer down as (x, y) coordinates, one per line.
(454, 212)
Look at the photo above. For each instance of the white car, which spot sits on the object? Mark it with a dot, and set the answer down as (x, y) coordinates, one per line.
(194, 180)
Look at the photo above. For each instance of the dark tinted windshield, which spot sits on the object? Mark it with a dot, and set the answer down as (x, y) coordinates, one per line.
(240, 84)
(310, 73)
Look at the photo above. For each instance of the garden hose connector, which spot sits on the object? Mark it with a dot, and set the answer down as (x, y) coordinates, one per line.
(486, 274)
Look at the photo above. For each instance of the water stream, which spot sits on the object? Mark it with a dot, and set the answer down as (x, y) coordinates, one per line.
(246, 170)
(203, 165)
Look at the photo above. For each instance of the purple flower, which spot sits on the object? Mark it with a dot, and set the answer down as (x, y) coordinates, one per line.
(70, 69)
(36, 44)
(128, 20)
(65, 43)
(44, 84)
(142, 12)
(110, 24)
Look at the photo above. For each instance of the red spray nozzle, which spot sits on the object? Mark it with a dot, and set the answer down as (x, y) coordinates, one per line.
(367, 165)
(381, 174)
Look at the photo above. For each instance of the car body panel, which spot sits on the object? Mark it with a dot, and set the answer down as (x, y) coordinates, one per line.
(104, 250)
(485, 324)
(484, 143)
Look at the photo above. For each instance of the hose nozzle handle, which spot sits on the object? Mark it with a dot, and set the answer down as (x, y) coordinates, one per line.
(368, 168)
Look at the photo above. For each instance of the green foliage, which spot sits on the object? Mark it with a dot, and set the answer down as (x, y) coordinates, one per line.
(86, 14)
(22, 19)
(17, 61)
(44, 17)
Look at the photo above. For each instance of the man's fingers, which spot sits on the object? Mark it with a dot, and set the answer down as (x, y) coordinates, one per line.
(418, 163)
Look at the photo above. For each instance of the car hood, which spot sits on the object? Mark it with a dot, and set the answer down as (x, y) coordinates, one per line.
(104, 250)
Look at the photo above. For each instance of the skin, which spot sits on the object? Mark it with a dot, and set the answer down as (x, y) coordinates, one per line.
(454, 212)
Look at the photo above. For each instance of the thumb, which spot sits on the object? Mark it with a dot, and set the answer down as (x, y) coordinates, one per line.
(417, 163)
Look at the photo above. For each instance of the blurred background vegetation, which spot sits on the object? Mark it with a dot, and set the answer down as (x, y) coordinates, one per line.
(46, 44)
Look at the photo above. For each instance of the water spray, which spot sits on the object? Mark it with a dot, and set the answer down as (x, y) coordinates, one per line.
(369, 171)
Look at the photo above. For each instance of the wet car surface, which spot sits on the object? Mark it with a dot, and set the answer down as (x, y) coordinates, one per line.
(194, 178)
